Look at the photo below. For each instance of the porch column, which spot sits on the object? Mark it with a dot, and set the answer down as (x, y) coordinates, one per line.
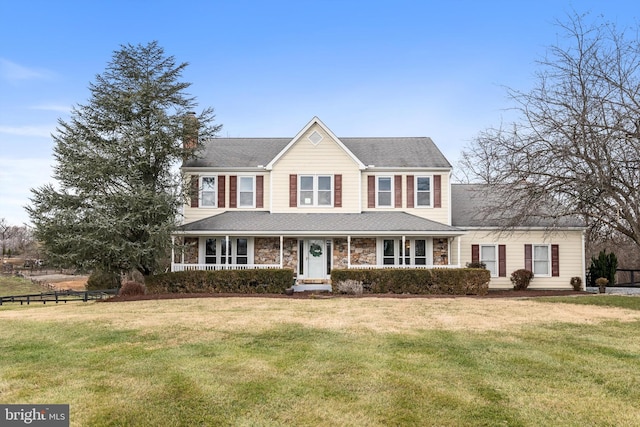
(173, 244)
(227, 250)
(459, 260)
(349, 252)
(402, 251)
(281, 251)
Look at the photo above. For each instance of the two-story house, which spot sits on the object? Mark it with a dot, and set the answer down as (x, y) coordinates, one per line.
(316, 202)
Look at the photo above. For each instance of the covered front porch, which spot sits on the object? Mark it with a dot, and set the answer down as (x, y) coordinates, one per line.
(314, 244)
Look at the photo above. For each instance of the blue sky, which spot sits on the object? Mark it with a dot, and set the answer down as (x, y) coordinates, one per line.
(366, 68)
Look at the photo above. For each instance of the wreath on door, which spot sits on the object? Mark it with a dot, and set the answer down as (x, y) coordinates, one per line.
(315, 250)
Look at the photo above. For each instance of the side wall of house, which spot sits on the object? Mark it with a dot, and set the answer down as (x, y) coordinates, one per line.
(570, 254)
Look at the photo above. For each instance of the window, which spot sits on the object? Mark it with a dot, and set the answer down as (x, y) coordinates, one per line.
(423, 191)
(324, 191)
(420, 253)
(246, 193)
(300, 252)
(489, 256)
(329, 255)
(208, 195)
(210, 252)
(388, 252)
(414, 252)
(219, 250)
(384, 192)
(541, 260)
(242, 251)
(315, 190)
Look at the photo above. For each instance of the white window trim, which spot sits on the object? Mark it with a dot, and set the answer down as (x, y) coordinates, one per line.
(391, 195)
(497, 260)
(428, 243)
(315, 190)
(533, 259)
(202, 249)
(238, 198)
(380, 250)
(397, 247)
(415, 191)
(201, 192)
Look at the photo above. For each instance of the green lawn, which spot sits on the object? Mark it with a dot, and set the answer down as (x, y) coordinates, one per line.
(334, 362)
(630, 302)
(11, 285)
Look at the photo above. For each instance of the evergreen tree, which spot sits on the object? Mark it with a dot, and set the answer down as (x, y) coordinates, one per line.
(119, 191)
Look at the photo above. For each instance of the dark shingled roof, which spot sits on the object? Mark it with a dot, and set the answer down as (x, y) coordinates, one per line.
(328, 223)
(474, 205)
(381, 152)
(397, 152)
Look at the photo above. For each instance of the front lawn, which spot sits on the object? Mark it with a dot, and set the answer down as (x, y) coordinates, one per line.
(341, 361)
(630, 302)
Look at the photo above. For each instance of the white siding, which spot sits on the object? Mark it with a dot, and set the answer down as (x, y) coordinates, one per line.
(324, 158)
(440, 215)
(571, 257)
(196, 214)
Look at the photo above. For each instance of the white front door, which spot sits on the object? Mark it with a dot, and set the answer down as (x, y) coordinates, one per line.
(316, 259)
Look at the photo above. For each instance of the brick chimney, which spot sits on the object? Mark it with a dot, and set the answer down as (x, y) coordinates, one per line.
(190, 138)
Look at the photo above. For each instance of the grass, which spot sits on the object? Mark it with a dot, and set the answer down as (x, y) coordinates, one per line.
(347, 362)
(11, 285)
(632, 303)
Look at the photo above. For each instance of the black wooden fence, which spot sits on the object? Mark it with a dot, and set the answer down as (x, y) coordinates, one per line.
(628, 277)
(60, 296)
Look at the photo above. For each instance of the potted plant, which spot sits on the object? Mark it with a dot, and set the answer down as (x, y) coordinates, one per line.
(602, 283)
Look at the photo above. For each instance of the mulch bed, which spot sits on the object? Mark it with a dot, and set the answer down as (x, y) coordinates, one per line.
(506, 293)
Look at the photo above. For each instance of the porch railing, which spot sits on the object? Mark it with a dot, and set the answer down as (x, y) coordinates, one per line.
(408, 266)
(215, 267)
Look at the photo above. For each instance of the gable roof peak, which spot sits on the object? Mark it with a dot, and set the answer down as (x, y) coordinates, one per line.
(315, 121)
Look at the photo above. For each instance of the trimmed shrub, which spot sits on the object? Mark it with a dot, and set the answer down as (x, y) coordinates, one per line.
(250, 281)
(521, 279)
(99, 280)
(576, 283)
(448, 281)
(132, 289)
(476, 265)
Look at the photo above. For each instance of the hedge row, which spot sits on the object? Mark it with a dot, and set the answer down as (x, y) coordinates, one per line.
(222, 281)
(458, 281)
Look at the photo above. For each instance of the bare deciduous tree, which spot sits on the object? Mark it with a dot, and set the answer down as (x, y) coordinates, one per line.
(5, 231)
(577, 137)
(16, 239)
